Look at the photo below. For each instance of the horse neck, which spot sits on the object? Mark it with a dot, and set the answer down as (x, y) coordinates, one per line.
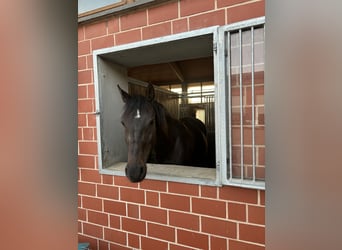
(164, 141)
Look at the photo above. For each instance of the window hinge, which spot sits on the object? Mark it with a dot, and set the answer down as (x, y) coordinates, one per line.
(97, 112)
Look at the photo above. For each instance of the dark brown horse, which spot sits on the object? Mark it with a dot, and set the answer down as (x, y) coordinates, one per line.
(152, 134)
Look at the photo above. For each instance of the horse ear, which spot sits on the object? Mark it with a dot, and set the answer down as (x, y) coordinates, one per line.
(124, 95)
(150, 92)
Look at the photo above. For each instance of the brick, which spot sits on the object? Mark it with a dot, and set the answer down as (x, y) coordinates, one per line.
(113, 25)
(80, 33)
(256, 214)
(133, 20)
(134, 241)
(184, 220)
(157, 30)
(152, 198)
(88, 134)
(258, 95)
(132, 195)
(134, 226)
(246, 11)
(260, 173)
(183, 188)
(83, 48)
(82, 214)
(91, 120)
(85, 105)
(163, 13)
(93, 230)
(260, 135)
(180, 25)
(81, 120)
(81, 62)
(102, 42)
(91, 91)
(80, 227)
(89, 148)
(86, 161)
(218, 243)
(106, 191)
(86, 188)
(95, 30)
(84, 77)
(103, 245)
(238, 245)
(261, 155)
(90, 175)
(177, 247)
(153, 185)
(252, 233)
(262, 197)
(114, 207)
(82, 92)
(193, 239)
(187, 7)
(207, 19)
(128, 37)
(209, 207)
(123, 181)
(114, 221)
(225, 3)
(133, 211)
(236, 211)
(148, 243)
(153, 214)
(90, 61)
(175, 202)
(247, 155)
(161, 232)
(114, 246)
(98, 218)
(107, 179)
(114, 235)
(219, 227)
(92, 203)
(209, 192)
(79, 134)
(238, 194)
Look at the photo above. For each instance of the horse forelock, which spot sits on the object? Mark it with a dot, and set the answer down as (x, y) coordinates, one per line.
(135, 106)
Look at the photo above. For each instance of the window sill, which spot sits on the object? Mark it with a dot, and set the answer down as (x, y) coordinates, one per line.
(176, 173)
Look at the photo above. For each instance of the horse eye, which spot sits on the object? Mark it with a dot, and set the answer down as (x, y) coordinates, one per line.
(151, 122)
(123, 124)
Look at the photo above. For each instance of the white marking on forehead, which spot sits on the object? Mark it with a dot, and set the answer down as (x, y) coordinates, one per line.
(137, 116)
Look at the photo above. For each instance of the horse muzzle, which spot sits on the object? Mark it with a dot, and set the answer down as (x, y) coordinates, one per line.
(136, 173)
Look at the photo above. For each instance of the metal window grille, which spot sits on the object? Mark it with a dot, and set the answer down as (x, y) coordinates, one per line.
(241, 54)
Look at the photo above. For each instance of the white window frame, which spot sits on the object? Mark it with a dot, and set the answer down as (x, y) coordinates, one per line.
(205, 176)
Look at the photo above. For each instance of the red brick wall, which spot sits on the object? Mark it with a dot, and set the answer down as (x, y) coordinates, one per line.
(116, 214)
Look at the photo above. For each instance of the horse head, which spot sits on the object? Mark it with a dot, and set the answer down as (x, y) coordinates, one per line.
(139, 121)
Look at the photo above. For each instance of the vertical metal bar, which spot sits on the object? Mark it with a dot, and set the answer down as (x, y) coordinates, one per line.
(253, 105)
(241, 105)
(229, 104)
